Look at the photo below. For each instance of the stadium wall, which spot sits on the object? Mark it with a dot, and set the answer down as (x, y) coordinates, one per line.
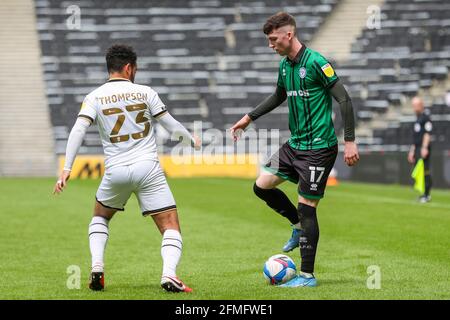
(26, 136)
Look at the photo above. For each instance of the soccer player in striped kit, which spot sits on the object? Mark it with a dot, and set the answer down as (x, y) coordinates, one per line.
(307, 80)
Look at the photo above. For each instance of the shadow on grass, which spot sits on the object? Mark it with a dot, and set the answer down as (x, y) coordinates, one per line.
(336, 282)
(150, 287)
(140, 290)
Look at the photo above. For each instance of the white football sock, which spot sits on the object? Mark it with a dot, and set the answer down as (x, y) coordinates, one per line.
(98, 236)
(171, 247)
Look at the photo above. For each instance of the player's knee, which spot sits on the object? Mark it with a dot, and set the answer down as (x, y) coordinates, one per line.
(268, 180)
(101, 211)
(260, 192)
(263, 183)
(309, 202)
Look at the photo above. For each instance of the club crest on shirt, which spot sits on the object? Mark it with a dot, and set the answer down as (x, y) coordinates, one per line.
(328, 70)
(302, 72)
(417, 127)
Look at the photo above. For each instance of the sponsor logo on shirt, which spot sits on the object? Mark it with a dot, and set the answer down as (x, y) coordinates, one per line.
(328, 70)
(299, 93)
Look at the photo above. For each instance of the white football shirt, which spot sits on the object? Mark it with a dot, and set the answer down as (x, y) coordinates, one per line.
(122, 109)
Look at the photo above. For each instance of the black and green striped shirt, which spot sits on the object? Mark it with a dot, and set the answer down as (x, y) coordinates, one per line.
(306, 81)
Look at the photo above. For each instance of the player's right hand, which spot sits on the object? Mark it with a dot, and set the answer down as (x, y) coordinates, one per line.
(198, 143)
(351, 154)
(411, 158)
(62, 182)
(236, 130)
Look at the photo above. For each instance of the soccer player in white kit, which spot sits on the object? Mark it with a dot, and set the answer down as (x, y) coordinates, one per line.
(122, 109)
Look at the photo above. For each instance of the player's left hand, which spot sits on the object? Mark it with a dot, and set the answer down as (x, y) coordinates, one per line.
(62, 182)
(351, 155)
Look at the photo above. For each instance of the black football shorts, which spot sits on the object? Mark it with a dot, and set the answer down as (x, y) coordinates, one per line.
(307, 168)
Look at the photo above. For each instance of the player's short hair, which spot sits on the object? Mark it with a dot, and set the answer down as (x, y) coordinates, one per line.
(118, 56)
(279, 20)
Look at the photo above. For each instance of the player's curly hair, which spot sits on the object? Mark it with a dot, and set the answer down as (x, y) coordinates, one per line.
(118, 56)
(279, 20)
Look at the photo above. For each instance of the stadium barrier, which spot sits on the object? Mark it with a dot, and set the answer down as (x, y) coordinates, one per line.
(389, 167)
(236, 166)
(392, 167)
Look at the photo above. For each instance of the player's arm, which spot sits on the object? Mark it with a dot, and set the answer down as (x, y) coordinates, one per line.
(411, 153)
(340, 94)
(270, 103)
(425, 144)
(267, 105)
(159, 112)
(177, 129)
(76, 137)
(424, 151)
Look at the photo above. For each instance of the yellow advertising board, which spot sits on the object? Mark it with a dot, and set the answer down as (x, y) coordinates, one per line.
(237, 166)
(85, 166)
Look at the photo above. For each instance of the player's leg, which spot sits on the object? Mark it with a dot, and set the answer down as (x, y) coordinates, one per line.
(98, 237)
(265, 189)
(275, 172)
(171, 249)
(172, 242)
(428, 185)
(156, 200)
(98, 234)
(314, 166)
(427, 196)
(308, 243)
(307, 210)
(112, 194)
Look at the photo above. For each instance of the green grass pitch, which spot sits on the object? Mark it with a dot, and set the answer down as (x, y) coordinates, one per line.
(228, 233)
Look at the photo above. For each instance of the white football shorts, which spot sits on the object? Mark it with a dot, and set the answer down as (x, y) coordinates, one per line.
(145, 179)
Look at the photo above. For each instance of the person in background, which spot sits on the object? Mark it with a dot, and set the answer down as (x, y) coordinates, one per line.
(421, 147)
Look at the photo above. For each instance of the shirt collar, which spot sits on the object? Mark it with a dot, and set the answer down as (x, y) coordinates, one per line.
(117, 79)
(299, 55)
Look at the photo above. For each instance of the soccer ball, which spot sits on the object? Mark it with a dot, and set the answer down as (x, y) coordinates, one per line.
(279, 269)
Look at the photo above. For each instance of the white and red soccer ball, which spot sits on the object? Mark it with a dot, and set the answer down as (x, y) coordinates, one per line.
(279, 269)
